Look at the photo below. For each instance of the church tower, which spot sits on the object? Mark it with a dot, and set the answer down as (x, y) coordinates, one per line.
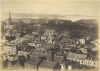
(10, 19)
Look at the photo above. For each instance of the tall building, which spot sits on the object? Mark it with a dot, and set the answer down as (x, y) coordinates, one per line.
(8, 24)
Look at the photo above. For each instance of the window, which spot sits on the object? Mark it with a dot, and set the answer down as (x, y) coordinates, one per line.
(82, 62)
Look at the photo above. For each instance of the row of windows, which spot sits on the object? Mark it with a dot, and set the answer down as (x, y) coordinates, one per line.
(87, 62)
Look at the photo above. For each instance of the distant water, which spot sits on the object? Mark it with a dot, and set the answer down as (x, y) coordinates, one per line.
(73, 18)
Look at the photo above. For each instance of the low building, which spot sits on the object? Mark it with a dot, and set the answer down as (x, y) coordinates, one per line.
(23, 53)
(10, 49)
(88, 62)
(82, 41)
(76, 57)
(40, 50)
(49, 66)
(32, 64)
(10, 57)
(20, 53)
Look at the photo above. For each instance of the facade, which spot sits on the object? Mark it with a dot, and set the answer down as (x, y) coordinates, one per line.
(48, 36)
(23, 53)
(10, 57)
(88, 62)
(82, 41)
(10, 49)
(49, 32)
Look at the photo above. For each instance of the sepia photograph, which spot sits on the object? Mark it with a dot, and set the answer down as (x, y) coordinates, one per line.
(49, 35)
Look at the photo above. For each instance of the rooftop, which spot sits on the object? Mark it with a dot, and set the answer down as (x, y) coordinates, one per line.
(33, 61)
(48, 64)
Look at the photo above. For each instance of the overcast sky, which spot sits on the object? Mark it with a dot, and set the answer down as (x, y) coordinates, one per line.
(62, 7)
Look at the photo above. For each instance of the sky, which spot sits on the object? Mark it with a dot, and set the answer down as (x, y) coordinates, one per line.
(61, 7)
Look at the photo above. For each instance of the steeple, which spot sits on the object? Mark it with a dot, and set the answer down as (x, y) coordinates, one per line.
(10, 19)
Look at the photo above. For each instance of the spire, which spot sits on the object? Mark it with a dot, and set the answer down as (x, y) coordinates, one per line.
(10, 20)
